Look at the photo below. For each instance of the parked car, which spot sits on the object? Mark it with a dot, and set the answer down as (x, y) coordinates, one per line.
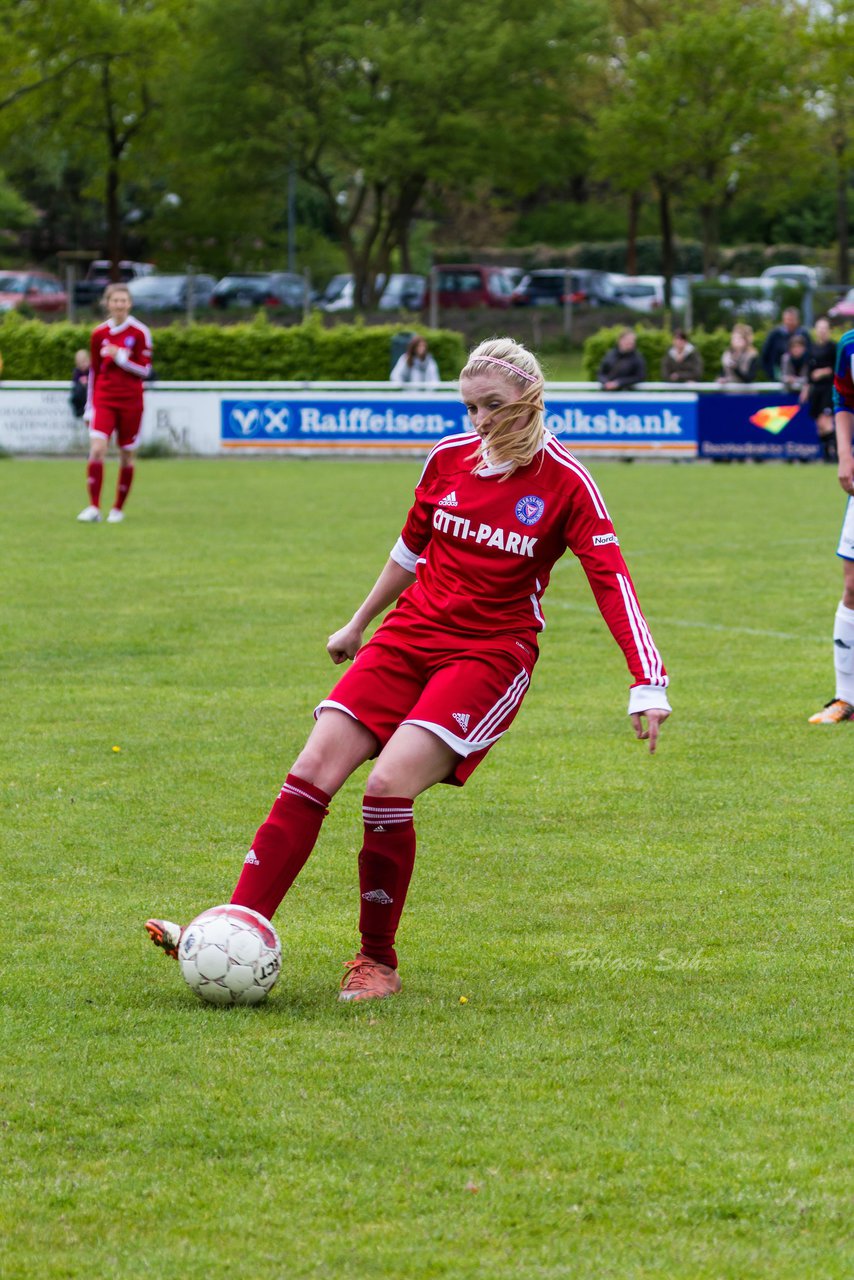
(548, 288)
(170, 293)
(844, 308)
(404, 292)
(753, 297)
(88, 291)
(638, 293)
(260, 289)
(37, 289)
(794, 273)
(471, 285)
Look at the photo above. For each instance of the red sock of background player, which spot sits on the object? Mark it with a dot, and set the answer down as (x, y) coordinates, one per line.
(94, 480)
(123, 489)
(385, 869)
(281, 846)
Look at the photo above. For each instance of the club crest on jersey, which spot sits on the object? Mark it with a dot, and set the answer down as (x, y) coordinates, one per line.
(529, 510)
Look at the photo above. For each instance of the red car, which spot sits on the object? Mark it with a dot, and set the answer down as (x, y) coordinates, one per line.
(844, 309)
(37, 289)
(473, 286)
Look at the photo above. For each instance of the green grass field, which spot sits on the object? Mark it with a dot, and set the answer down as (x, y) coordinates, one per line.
(623, 1045)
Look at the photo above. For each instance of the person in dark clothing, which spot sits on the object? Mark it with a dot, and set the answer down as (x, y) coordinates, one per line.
(777, 343)
(623, 366)
(794, 367)
(822, 362)
(79, 383)
(683, 362)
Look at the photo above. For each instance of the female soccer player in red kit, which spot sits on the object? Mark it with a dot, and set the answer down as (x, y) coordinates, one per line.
(120, 361)
(445, 674)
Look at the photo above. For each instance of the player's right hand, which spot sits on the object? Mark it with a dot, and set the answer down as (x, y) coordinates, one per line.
(345, 643)
(845, 474)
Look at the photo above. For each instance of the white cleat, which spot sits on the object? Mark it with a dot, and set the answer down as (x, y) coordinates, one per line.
(90, 515)
(115, 516)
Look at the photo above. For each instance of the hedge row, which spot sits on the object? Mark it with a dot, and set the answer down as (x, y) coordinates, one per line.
(653, 345)
(258, 352)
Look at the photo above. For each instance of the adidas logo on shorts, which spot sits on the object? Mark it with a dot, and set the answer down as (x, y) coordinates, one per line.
(462, 718)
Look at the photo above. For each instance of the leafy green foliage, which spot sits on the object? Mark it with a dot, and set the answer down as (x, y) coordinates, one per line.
(255, 351)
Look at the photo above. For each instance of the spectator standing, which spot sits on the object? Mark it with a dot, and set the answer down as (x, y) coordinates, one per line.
(822, 362)
(80, 382)
(623, 365)
(777, 343)
(683, 362)
(416, 367)
(740, 361)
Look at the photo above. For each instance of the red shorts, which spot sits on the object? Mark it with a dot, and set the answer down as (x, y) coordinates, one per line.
(125, 420)
(468, 699)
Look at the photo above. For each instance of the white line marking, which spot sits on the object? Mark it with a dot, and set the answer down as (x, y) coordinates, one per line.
(656, 620)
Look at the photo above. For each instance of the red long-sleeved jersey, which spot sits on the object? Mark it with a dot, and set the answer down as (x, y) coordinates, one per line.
(482, 549)
(116, 383)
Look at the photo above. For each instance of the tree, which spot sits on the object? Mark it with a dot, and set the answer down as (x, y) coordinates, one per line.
(90, 81)
(706, 96)
(377, 104)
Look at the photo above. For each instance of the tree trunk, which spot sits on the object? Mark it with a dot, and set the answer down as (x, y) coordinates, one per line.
(842, 235)
(710, 220)
(632, 235)
(666, 223)
(114, 222)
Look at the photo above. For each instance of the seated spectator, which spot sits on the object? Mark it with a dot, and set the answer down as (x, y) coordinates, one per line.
(624, 365)
(416, 366)
(79, 382)
(740, 361)
(683, 362)
(794, 367)
(776, 344)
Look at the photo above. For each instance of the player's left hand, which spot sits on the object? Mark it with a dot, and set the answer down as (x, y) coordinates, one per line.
(654, 718)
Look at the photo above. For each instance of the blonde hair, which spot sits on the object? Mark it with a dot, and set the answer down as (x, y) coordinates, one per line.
(518, 427)
(116, 287)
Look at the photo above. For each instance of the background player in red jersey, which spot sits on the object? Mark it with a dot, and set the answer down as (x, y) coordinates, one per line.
(445, 674)
(120, 351)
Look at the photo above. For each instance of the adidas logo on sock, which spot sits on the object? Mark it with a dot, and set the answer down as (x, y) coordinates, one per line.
(449, 500)
(462, 718)
(378, 828)
(251, 860)
(378, 895)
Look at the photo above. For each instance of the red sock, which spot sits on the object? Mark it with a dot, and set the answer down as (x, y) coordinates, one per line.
(385, 869)
(123, 488)
(281, 846)
(94, 480)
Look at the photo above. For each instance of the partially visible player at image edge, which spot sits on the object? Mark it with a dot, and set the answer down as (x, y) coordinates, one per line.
(120, 351)
(445, 674)
(841, 706)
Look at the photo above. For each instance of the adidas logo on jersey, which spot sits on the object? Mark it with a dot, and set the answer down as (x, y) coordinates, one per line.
(462, 718)
(378, 895)
(449, 500)
(251, 859)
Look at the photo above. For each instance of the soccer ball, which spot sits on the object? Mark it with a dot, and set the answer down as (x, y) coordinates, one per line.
(230, 955)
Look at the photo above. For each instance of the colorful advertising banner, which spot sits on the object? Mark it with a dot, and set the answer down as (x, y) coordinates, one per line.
(762, 425)
(634, 423)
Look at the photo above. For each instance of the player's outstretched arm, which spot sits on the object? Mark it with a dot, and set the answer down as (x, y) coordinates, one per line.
(346, 642)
